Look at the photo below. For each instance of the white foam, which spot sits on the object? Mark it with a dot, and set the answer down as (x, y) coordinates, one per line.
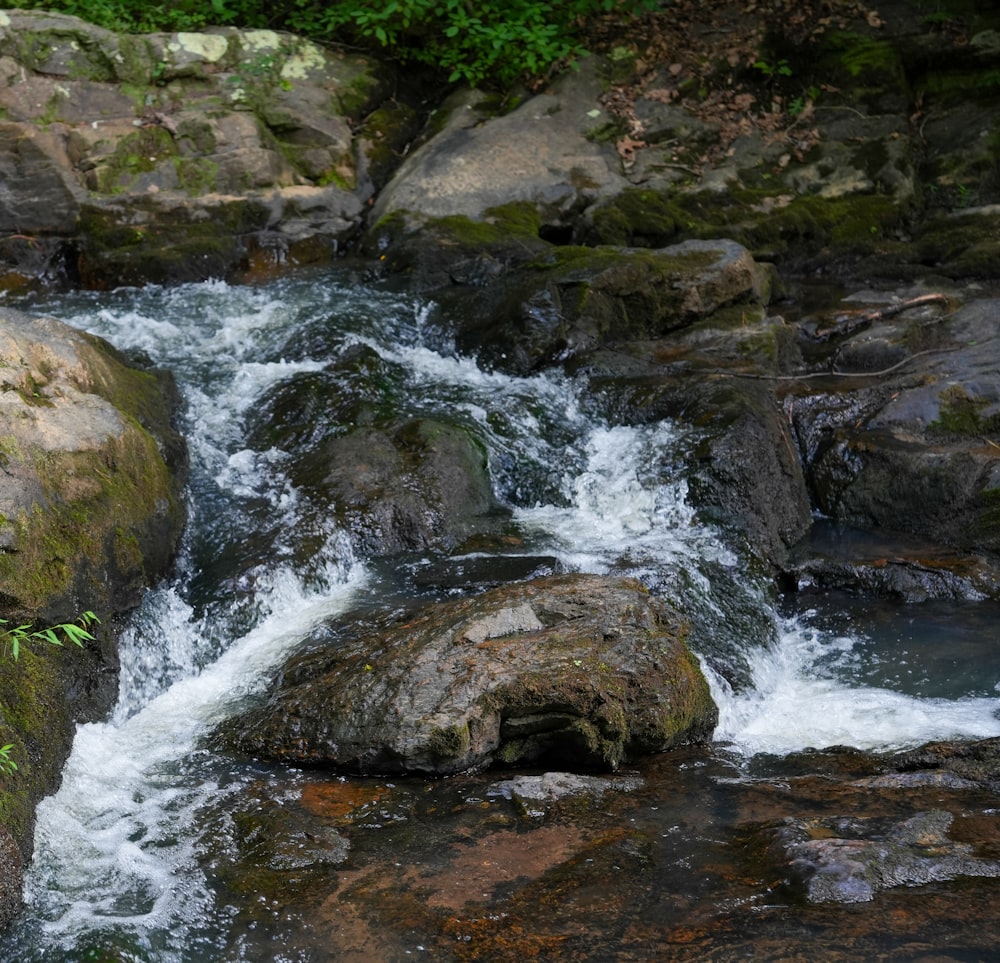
(796, 702)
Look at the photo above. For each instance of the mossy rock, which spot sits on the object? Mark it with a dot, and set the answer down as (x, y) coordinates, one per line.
(401, 484)
(439, 253)
(165, 243)
(588, 670)
(92, 511)
(793, 230)
(574, 299)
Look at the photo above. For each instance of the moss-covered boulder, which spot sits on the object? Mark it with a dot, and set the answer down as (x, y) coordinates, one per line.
(90, 515)
(90, 511)
(404, 484)
(172, 156)
(581, 298)
(584, 669)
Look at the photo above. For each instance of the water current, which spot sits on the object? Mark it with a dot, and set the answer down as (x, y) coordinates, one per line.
(117, 848)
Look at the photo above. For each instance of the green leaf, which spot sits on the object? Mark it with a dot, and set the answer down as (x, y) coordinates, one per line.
(48, 635)
(77, 635)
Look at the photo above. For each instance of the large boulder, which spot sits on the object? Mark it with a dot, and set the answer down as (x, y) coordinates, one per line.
(91, 511)
(901, 436)
(578, 299)
(181, 156)
(585, 669)
(545, 153)
(91, 507)
(396, 482)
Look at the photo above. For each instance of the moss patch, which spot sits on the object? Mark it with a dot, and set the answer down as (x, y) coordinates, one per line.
(962, 414)
(807, 225)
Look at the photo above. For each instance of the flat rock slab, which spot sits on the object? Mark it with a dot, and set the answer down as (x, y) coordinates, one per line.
(582, 669)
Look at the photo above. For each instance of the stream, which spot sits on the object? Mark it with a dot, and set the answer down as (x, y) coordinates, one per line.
(142, 853)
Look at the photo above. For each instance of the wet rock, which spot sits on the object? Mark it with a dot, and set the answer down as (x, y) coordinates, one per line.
(585, 669)
(911, 451)
(534, 795)
(744, 469)
(91, 512)
(889, 565)
(475, 572)
(11, 878)
(568, 301)
(357, 388)
(978, 761)
(838, 860)
(406, 485)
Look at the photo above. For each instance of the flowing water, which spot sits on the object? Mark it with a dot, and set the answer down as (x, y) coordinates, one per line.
(119, 868)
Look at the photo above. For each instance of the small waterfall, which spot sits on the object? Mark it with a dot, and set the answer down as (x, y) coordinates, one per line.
(117, 847)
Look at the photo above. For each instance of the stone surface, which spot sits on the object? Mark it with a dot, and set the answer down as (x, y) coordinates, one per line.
(584, 669)
(541, 153)
(90, 515)
(91, 507)
(573, 300)
(407, 485)
(172, 157)
(837, 860)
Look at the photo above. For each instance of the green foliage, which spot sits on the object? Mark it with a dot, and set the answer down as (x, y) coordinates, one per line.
(769, 70)
(75, 632)
(494, 39)
(499, 41)
(7, 765)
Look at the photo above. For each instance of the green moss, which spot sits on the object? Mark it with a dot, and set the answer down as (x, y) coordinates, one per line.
(988, 521)
(135, 154)
(94, 504)
(196, 176)
(356, 97)
(450, 742)
(647, 218)
(28, 720)
(641, 218)
(466, 231)
(960, 413)
(516, 218)
(199, 133)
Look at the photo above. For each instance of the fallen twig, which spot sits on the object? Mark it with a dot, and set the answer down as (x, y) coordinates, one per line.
(850, 322)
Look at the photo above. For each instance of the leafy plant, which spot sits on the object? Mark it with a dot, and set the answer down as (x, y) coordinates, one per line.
(771, 71)
(76, 632)
(7, 765)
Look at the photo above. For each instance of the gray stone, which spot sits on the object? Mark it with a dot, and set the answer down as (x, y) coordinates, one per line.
(541, 153)
(598, 672)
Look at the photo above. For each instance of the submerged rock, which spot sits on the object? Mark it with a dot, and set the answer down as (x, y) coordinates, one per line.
(584, 669)
(534, 795)
(849, 860)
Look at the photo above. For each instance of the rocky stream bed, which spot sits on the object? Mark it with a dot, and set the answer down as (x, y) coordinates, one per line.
(759, 346)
